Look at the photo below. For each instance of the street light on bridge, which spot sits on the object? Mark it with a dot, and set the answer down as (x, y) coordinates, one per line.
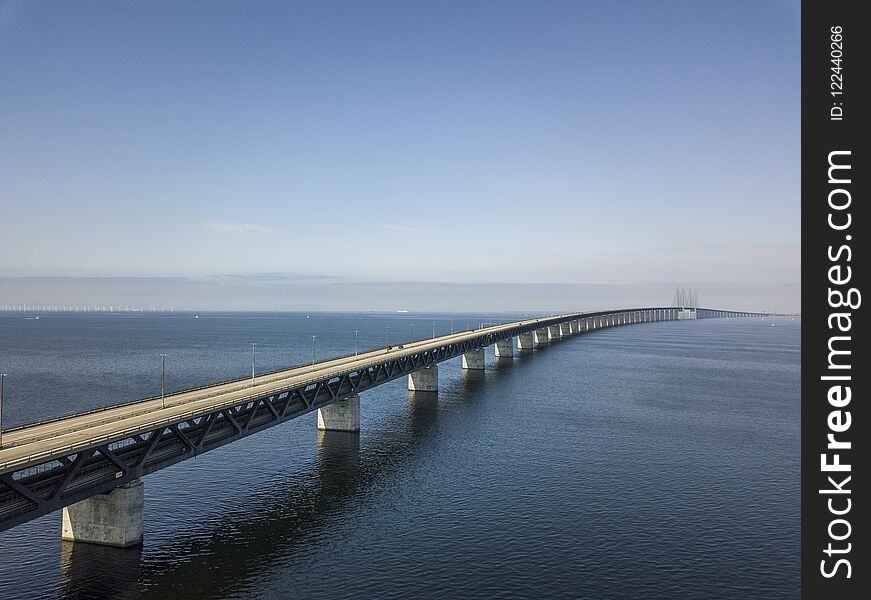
(2, 377)
(356, 347)
(314, 337)
(163, 381)
(386, 335)
(253, 360)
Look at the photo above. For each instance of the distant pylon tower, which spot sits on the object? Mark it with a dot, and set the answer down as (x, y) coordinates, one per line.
(685, 298)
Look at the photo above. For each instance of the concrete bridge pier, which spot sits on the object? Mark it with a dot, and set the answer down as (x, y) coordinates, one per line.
(553, 332)
(474, 360)
(111, 519)
(343, 415)
(565, 329)
(425, 380)
(504, 349)
(541, 338)
(525, 341)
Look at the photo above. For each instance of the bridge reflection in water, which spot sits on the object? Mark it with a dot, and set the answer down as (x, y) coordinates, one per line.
(290, 522)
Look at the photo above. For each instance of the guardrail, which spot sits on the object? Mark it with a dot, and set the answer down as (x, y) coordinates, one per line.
(265, 391)
(213, 384)
(175, 417)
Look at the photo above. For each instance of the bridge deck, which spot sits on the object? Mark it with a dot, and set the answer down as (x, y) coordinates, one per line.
(57, 437)
(46, 466)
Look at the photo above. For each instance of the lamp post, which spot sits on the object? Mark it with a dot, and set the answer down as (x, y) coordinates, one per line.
(356, 347)
(386, 334)
(412, 332)
(253, 360)
(433, 330)
(314, 337)
(2, 377)
(163, 381)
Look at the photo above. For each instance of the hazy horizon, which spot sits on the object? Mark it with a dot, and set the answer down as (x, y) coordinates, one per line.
(311, 295)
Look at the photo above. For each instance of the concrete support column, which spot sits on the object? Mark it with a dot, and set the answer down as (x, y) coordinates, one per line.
(553, 332)
(474, 360)
(541, 338)
(343, 415)
(565, 329)
(113, 519)
(425, 380)
(525, 341)
(505, 348)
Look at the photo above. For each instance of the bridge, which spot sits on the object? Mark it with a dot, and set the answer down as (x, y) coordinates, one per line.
(91, 464)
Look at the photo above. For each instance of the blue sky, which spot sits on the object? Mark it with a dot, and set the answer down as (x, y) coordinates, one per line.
(624, 143)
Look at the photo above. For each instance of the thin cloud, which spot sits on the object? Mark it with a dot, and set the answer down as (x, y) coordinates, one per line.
(408, 229)
(241, 228)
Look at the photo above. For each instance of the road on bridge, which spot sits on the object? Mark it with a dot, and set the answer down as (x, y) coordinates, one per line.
(57, 437)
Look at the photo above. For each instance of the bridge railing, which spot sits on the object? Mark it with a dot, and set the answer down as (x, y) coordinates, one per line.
(175, 417)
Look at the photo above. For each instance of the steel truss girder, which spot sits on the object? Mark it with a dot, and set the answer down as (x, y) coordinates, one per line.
(39, 488)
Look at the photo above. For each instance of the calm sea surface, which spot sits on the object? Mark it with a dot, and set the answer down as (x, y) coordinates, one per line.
(650, 461)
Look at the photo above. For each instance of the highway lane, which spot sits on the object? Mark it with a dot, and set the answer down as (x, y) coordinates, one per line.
(57, 437)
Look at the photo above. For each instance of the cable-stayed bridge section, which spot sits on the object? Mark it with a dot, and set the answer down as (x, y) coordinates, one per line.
(90, 464)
